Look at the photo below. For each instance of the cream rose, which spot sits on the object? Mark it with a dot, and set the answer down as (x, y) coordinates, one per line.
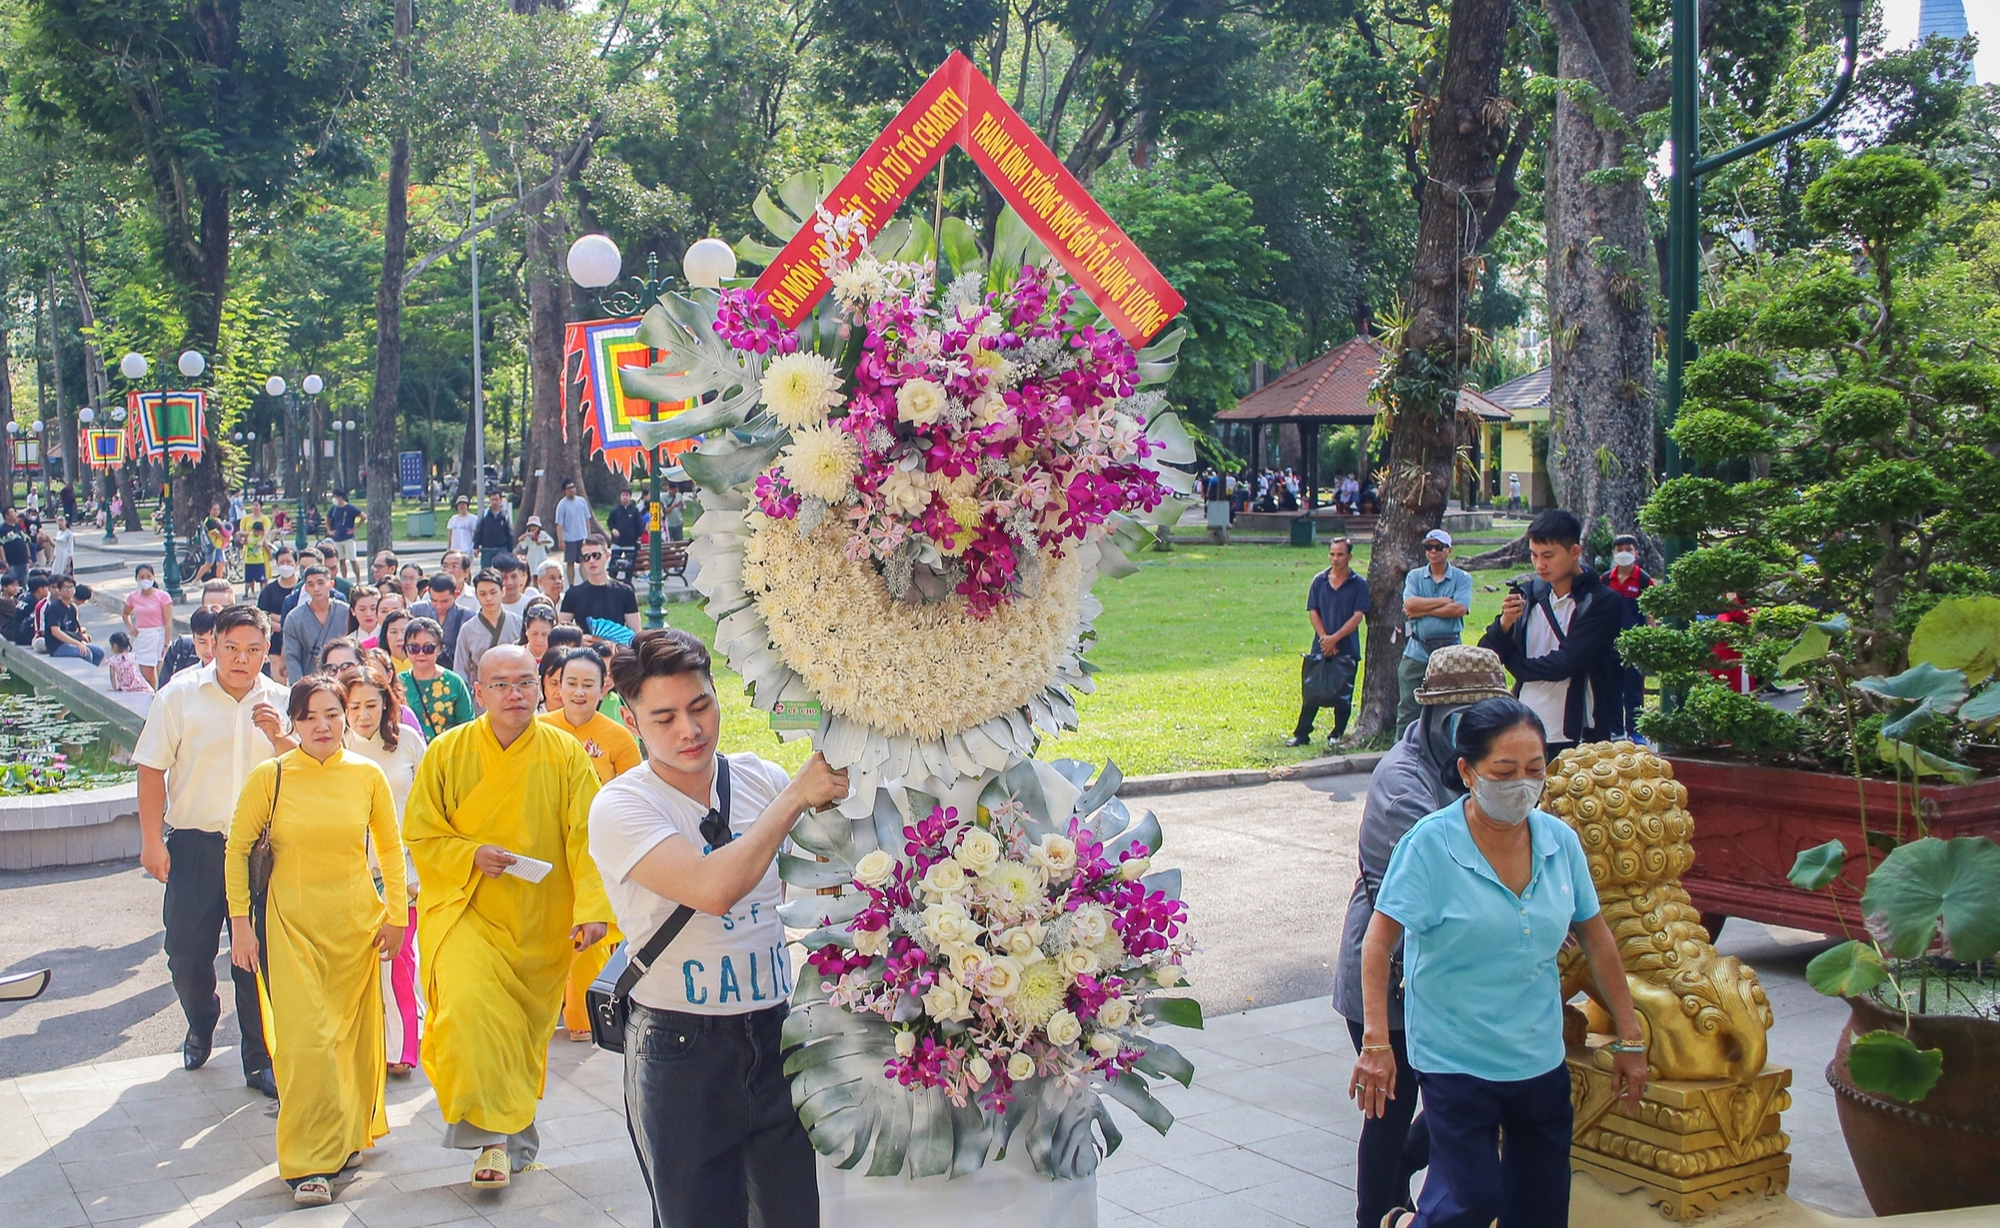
(920, 402)
(875, 869)
(948, 1000)
(906, 493)
(1018, 942)
(1091, 922)
(948, 924)
(1135, 869)
(906, 1043)
(1079, 961)
(1168, 975)
(979, 851)
(1063, 1028)
(1003, 977)
(1056, 854)
(1115, 1013)
(871, 942)
(944, 878)
(979, 1068)
(1104, 1044)
(1020, 1067)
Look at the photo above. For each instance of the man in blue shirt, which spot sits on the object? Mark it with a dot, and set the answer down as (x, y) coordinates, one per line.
(340, 524)
(1336, 603)
(1436, 599)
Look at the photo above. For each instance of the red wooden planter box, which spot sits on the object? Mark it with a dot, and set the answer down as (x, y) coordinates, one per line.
(1751, 822)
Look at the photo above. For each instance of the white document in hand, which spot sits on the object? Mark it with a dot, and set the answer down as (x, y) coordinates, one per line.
(530, 868)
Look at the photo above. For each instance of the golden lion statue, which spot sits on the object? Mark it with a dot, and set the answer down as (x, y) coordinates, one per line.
(1704, 1014)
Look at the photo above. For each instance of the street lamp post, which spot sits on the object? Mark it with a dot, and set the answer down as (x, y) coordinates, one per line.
(110, 535)
(134, 367)
(594, 262)
(275, 387)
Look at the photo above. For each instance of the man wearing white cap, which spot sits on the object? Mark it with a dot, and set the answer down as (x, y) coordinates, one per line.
(1436, 599)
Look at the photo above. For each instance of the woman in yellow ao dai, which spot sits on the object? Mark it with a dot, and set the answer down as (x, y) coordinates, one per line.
(326, 929)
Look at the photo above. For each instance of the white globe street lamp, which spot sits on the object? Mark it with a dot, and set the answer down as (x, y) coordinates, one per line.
(192, 363)
(312, 384)
(709, 263)
(133, 366)
(594, 262)
(86, 415)
(275, 386)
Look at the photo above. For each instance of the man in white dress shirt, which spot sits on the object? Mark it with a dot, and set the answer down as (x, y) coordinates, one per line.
(202, 737)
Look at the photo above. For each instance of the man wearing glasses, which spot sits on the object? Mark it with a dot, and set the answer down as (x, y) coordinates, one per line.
(599, 596)
(1436, 599)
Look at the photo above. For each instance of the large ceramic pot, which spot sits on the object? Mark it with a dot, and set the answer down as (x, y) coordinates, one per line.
(1943, 1151)
(1751, 822)
(1005, 1193)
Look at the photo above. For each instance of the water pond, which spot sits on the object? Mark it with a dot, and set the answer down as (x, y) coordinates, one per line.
(44, 748)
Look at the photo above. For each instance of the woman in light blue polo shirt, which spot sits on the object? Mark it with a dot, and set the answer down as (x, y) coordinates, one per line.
(1483, 894)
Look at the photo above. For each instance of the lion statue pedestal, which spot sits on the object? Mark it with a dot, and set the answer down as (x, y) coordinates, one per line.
(1706, 1136)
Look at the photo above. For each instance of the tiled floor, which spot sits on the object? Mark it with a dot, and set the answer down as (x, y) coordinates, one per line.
(1264, 1137)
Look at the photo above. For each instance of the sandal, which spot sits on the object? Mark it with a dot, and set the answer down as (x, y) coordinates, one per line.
(313, 1192)
(353, 1162)
(492, 1162)
(401, 1070)
(577, 1036)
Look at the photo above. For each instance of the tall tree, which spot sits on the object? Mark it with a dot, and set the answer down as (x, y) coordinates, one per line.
(1471, 151)
(386, 396)
(222, 102)
(1601, 273)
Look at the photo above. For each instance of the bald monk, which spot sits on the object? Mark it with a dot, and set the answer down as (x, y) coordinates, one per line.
(495, 948)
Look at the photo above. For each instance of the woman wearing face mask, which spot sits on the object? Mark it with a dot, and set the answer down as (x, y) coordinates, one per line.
(148, 614)
(326, 928)
(1417, 776)
(1627, 579)
(1483, 892)
(375, 731)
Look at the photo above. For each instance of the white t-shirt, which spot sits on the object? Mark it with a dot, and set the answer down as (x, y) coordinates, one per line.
(1549, 699)
(727, 965)
(461, 528)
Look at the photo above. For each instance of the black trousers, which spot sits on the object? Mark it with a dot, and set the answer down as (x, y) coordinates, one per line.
(1394, 1147)
(710, 1114)
(195, 912)
(1342, 703)
(1498, 1150)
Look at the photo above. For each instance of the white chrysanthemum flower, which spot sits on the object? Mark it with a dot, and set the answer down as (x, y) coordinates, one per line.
(906, 492)
(1040, 995)
(800, 388)
(920, 402)
(822, 461)
(861, 283)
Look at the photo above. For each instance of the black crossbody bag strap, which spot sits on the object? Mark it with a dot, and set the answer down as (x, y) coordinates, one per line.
(643, 959)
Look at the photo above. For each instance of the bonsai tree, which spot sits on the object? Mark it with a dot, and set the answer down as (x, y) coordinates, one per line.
(1843, 474)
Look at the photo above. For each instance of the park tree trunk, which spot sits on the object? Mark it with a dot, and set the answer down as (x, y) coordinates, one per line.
(1601, 271)
(549, 457)
(6, 416)
(65, 412)
(383, 443)
(1468, 191)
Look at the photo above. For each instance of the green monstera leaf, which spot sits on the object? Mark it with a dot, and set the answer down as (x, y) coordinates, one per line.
(1930, 884)
(1960, 633)
(1890, 1065)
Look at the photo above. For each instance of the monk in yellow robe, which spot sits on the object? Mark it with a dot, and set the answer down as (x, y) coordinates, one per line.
(580, 682)
(494, 947)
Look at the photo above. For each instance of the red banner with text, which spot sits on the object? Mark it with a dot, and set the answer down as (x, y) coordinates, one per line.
(959, 106)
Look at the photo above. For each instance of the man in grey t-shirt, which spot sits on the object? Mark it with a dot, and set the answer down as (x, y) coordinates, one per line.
(572, 526)
(312, 622)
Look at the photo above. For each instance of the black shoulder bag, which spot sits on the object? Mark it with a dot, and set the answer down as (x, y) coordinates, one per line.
(609, 996)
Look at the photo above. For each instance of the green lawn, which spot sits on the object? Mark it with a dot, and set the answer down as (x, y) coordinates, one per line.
(1197, 656)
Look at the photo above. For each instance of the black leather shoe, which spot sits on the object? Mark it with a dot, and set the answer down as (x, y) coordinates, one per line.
(194, 1052)
(264, 1081)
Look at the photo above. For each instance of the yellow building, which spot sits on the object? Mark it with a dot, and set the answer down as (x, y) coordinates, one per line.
(1526, 401)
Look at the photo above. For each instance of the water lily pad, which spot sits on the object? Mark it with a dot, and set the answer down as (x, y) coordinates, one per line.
(1850, 968)
(1818, 866)
(1944, 687)
(1930, 883)
(1961, 633)
(1890, 1065)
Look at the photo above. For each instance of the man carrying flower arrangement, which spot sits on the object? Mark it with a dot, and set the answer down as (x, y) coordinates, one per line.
(706, 1096)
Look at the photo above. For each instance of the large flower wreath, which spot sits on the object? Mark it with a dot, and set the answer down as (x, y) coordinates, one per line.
(905, 503)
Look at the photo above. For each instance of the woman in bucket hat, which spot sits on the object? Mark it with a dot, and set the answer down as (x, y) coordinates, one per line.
(1417, 776)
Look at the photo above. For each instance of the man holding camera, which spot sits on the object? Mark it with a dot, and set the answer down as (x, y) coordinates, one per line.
(706, 1098)
(1557, 635)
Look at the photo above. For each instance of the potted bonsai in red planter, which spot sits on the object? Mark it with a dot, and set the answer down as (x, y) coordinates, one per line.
(1844, 487)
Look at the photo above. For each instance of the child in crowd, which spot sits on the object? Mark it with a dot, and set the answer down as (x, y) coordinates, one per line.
(124, 665)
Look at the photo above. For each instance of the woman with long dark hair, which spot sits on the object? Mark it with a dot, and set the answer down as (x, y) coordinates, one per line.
(326, 927)
(1483, 893)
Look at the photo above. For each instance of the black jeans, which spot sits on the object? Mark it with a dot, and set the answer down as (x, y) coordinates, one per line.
(1632, 700)
(1342, 702)
(195, 911)
(1394, 1147)
(710, 1113)
(1498, 1150)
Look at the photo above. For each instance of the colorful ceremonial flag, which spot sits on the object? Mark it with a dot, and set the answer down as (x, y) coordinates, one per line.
(170, 423)
(104, 449)
(605, 349)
